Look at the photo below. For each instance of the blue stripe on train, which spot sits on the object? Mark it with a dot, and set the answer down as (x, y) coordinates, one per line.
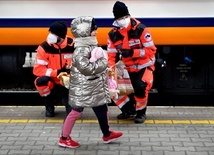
(107, 22)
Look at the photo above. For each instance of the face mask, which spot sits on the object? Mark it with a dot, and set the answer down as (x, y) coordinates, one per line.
(123, 23)
(51, 38)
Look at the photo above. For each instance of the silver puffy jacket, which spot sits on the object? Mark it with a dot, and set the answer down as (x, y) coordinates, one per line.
(88, 81)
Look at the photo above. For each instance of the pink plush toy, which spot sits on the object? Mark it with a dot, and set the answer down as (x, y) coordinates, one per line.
(112, 86)
(97, 53)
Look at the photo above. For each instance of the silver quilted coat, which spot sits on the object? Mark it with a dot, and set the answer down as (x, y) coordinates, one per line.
(88, 81)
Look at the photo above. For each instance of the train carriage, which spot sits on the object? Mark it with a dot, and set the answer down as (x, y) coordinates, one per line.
(183, 32)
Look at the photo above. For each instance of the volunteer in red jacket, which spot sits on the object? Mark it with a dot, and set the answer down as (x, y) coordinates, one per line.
(53, 57)
(131, 41)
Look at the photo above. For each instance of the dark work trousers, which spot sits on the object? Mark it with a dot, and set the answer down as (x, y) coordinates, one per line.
(59, 93)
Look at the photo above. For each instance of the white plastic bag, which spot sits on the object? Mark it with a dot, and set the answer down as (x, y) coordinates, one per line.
(123, 80)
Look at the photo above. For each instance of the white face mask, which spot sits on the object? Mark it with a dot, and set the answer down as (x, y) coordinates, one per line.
(123, 23)
(51, 38)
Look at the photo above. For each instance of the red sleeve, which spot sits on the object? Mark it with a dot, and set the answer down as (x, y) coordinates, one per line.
(148, 43)
(41, 65)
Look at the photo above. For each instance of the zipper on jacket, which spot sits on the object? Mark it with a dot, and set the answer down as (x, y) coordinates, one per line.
(60, 56)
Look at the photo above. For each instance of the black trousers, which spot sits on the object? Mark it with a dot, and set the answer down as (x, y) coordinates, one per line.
(58, 94)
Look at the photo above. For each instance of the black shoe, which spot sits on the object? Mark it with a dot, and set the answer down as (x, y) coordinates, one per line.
(140, 119)
(128, 111)
(49, 107)
(49, 114)
(124, 115)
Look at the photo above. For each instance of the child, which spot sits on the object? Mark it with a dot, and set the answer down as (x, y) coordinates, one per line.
(88, 83)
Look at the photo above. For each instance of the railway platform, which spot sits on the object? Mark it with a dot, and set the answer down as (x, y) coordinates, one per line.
(24, 130)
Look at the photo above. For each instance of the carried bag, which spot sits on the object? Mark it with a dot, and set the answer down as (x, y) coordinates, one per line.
(123, 80)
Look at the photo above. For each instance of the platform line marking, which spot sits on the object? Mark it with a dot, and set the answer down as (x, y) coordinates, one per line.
(211, 121)
(79, 121)
(149, 122)
(54, 121)
(181, 121)
(125, 121)
(18, 120)
(89, 121)
(200, 122)
(163, 121)
(4, 121)
(36, 120)
(113, 121)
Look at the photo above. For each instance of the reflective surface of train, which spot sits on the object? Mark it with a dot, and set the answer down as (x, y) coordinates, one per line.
(182, 30)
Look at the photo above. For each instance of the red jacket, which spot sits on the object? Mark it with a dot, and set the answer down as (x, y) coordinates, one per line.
(137, 37)
(50, 58)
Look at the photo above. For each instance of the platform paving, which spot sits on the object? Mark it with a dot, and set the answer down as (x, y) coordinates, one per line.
(24, 130)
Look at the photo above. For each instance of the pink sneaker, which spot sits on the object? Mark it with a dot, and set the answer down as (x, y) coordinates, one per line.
(112, 137)
(68, 143)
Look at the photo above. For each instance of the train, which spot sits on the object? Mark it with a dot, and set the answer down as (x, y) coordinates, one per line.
(183, 32)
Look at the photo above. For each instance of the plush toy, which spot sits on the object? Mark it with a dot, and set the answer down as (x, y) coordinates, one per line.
(64, 79)
(112, 86)
(97, 53)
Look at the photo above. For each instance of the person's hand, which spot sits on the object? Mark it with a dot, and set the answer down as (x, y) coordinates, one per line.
(62, 74)
(64, 79)
(111, 69)
(127, 52)
(64, 69)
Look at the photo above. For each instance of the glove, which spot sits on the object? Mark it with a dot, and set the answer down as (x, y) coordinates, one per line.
(64, 69)
(64, 79)
(127, 53)
(61, 74)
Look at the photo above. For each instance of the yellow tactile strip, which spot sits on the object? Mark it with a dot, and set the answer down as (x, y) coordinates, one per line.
(110, 121)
